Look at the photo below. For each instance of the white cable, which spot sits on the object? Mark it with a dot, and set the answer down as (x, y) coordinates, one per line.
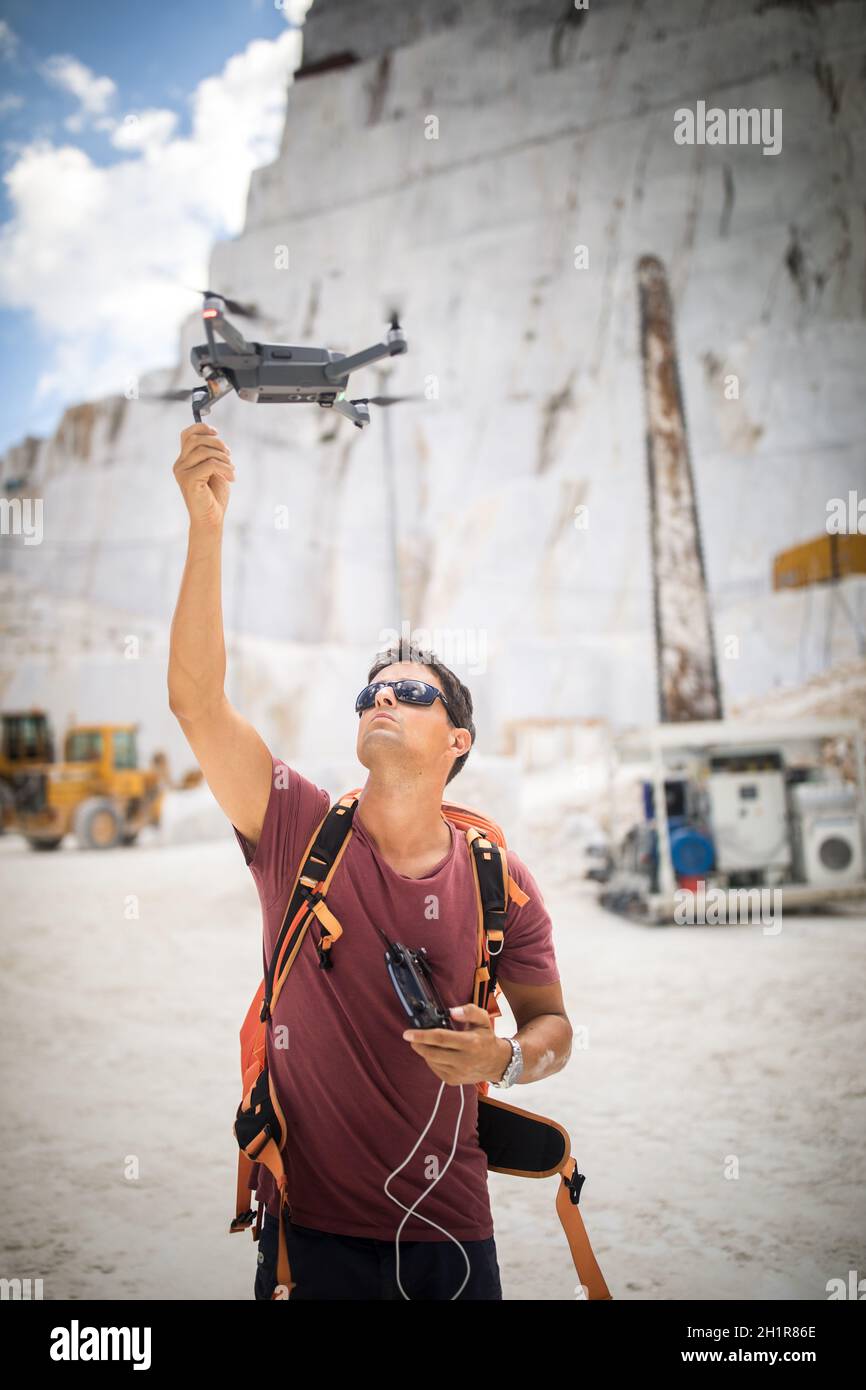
(409, 1210)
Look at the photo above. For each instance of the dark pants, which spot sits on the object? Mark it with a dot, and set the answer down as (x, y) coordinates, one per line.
(354, 1267)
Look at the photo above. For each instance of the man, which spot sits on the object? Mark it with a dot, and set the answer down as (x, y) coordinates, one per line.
(356, 1086)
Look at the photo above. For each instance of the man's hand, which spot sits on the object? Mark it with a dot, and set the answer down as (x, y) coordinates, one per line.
(473, 1054)
(204, 472)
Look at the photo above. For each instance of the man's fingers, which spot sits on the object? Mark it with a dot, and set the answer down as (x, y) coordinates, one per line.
(211, 441)
(438, 1037)
(210, 449)
(472, 1013)
(200, 427)
(202, 471)
(196, 435)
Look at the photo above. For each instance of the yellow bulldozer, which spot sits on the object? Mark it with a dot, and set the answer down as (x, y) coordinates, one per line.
(98, 792)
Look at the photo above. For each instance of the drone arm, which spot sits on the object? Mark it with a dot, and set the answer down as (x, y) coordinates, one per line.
(236, 341)
(395, 344)
(216, 384)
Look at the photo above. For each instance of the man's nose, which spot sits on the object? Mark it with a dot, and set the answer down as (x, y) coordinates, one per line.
(385, 696)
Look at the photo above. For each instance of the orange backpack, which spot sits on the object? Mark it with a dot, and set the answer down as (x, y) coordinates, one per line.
(516, 1141)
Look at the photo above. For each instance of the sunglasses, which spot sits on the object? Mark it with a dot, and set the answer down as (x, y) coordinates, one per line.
(409, 691)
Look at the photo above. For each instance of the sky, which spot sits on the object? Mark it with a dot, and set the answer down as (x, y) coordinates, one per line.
(127, 137)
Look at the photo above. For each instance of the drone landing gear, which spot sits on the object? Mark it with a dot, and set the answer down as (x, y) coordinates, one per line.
(204, 397)
(358, 414)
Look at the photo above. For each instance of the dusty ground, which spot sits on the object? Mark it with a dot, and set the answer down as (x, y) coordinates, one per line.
(695, 1048)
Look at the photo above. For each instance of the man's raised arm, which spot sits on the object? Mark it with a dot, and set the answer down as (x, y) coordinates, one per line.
(234, 758)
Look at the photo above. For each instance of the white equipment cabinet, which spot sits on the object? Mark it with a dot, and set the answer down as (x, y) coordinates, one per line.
(748, 815)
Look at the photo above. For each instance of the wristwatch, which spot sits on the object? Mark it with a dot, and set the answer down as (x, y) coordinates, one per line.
(515, 1066)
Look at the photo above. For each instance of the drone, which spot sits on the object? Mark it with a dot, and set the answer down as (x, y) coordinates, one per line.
(278, 373)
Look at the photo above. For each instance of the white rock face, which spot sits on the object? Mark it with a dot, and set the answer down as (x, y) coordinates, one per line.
(554, 130)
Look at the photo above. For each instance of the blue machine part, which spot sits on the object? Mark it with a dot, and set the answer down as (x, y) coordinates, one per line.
(691, 851)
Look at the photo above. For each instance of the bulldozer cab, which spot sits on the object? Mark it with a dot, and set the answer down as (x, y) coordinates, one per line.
(112, 747)
(109, 754)
(25, 739)
(26, 742)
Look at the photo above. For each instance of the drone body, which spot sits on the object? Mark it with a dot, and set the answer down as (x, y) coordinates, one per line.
(279, 373)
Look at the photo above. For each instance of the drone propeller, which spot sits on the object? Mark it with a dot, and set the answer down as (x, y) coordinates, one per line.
(384, 400)
(166, 395)
(244, 311)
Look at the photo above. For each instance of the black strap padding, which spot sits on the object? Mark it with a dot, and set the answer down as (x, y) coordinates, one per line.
(258, 1116)
(492, 882)
(518, 1141)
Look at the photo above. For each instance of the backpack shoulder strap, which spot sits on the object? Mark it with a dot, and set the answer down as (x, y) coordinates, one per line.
(495, 890)
(317, 866)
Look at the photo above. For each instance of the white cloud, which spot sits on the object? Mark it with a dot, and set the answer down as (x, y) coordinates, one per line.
(8, 40)
(141, 130)
(94, 93)
(99, 254)
(293, 11)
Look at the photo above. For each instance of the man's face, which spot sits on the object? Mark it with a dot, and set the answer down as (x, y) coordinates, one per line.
(413, 737)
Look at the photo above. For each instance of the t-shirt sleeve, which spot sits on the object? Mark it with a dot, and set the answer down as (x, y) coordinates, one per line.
(295, 807)
(527, 957)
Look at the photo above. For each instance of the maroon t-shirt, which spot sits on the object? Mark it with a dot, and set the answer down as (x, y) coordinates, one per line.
(355, 1095)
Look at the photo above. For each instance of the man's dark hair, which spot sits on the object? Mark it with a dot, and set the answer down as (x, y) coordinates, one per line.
(455, 692)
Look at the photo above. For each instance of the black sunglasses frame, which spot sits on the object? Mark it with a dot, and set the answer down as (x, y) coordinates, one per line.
(407, 680)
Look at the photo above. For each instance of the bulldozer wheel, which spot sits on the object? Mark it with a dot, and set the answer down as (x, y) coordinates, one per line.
(97, 824)
(36, 843)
